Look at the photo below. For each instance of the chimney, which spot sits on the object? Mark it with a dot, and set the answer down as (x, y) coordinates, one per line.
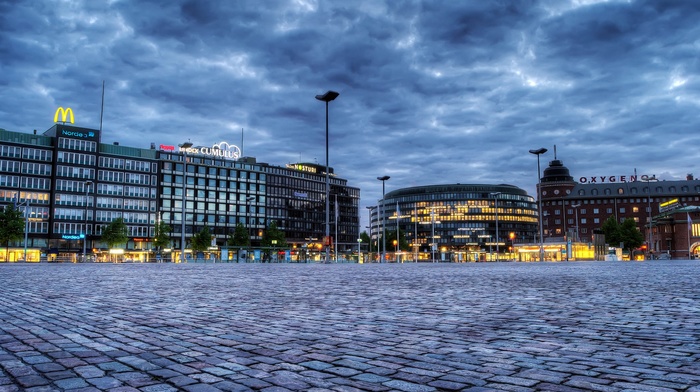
(689, 177)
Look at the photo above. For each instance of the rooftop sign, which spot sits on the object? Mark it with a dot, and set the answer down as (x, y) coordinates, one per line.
(219, 150)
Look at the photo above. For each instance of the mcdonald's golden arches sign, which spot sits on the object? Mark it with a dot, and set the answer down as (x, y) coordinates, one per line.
(68, 112)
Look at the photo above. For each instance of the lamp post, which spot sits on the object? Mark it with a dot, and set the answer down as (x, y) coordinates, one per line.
(648, 179)
(495, 199)
(26, 225)
(248, 200)
(87, 188)
(432, 235)
(383, 179)
(539, 152)
(575, 207)
(369, 213)
(183, 148)
(327, 97)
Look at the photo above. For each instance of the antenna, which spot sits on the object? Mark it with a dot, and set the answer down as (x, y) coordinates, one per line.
(555, 152)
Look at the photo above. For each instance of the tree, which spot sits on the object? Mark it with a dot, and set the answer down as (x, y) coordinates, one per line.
(115, 233)
(626, 233)
(366, 239)
(403, 243)
(202, 240)
(611, 229)
(273, 238)
(239, 237)
(630, 234)
(11, 226)
(161, 238)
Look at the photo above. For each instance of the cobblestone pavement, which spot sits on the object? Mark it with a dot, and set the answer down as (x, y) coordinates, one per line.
(585, 326)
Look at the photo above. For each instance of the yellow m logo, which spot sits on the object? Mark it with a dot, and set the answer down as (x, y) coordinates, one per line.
(63, 113)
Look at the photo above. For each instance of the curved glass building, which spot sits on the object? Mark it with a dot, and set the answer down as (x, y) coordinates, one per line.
(453, 222)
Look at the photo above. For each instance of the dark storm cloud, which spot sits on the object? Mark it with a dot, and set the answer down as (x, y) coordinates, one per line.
(430, 91)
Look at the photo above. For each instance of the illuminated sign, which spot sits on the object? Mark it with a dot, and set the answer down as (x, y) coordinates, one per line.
(68, 112)
(77, 134)
(220, 150)
(606, 179)
(73, 237)
(308, 167)
(668, 205)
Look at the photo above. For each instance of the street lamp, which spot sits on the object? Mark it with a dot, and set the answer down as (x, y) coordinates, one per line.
(87, 188)
(26, 224)
(648, 179)
(575, 207)
(248, 200)
(539, 152)
(327, 97)
(383, 179)
(369, 213)
(183, 148)
(495, 199)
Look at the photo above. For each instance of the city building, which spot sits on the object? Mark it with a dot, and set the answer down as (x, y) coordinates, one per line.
(574, 211)
(70, 186)
(454, 222)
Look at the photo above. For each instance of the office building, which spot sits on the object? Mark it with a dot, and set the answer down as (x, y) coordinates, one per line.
(71, 186)
(454, 222)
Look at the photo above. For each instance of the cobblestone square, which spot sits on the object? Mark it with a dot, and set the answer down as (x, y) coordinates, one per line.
(580, 326)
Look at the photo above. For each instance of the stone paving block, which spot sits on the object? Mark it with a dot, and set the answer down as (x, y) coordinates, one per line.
(555, 331)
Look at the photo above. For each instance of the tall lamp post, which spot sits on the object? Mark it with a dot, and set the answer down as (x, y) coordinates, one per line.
(648, 179)
(495, 200)
(26, 225)
(539, 152)
(369, 213)
(183, 148)
(87, 188)
(248, 200)
(575, 207)
(383, 179)
(327, 97)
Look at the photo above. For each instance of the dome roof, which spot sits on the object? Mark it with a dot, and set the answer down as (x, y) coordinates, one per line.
(557, 172)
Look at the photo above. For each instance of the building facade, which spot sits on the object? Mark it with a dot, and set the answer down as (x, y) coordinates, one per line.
(70, 186)
(575, 210)
(454, 222)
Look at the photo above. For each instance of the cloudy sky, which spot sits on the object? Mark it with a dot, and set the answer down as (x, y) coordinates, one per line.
(431, 92)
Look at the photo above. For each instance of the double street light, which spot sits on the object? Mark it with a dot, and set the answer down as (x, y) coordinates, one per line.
(85, 231)
(327, 97)
(539, 152)
(183, 148)
(383, 210)
(495, 199)
(648, 179)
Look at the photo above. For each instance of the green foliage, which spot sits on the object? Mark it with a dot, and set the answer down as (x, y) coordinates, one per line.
(11, 225)
(630, 234)
(272, 233)
(202, 240)
(273, 238)
(365, 239)
(161, 238)
(390, 237)
(626, 233)
(240, 237)
(116, 233)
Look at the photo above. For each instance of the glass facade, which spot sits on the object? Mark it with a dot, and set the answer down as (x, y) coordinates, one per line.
(455, 222)
(72, 186)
